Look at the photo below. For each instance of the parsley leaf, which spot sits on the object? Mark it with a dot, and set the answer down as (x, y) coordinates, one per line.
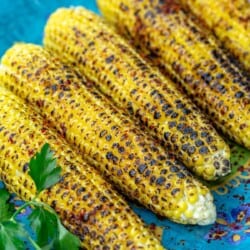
(66, 240)
(44, 224)
(6, 208)
(12, 235)
(50, 233)
(43, 169)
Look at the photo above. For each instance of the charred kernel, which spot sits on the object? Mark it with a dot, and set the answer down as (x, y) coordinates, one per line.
(226, 163)
(239, 94)
(131, 156)
(191, 150)
(204, 134)
(165, 107)
(80, 190)
(109, 155)
(175, 191)
(186, 111)
(110, 59)
(174, 115)
(213, 67)
(60, 95)
(160, 180)
(103, 133)
(25, 167)
(149, 14)
(153, 92)
(152, 179)
(54, 87)
(171, 124)
(173, 139)
(219, 76)
(217, 164)
(108, 137)
(115, 159)
(85, 197)
(203, 150)
(119, 172)
(185, 147)
(169, 112)
(157, 115)
(225, 169)
(187, 130)
(132, 173)
(174, 169)
(209, 139)
(121, 149)
(166, 136)
(180, 105)
(180, 126)
(142, 168)
(218, 87)
(199, 143)
(164, 171)
(193, 135)
(133, 91)
(181, 175)
(147, 173)
(207, 77)
(152, 162)
(137, 180)
(231, 115)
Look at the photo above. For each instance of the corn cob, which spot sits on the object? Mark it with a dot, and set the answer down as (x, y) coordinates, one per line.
(120, 73)
(85, 202)
(134, 163)
(171, 40)
(234, 34)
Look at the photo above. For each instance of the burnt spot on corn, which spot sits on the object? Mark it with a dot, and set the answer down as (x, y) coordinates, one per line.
(132, 173)
(110, 59)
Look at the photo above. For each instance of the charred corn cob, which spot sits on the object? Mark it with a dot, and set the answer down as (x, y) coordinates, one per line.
(81, 37)
(85, 202)
(220, 17)
(135, 164)
(172, 41)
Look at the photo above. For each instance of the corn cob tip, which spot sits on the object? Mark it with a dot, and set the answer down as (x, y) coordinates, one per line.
(204, 211)
(219, 164)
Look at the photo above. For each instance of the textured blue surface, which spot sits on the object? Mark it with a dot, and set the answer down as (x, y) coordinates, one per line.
(24, 20)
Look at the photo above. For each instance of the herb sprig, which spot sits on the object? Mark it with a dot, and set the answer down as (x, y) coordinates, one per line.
(50, 233)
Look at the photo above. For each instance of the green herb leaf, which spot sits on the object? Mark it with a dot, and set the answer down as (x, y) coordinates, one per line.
(43, 169)
(66, 240)
(44, 224)
(6, 209)
(11, 235)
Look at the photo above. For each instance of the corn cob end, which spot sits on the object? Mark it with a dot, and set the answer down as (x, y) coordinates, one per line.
(203, 211)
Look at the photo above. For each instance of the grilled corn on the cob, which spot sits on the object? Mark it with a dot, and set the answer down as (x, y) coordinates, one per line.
(171, 40)
(81, 37)
(137, 165)
(85, 202)
(221, 18)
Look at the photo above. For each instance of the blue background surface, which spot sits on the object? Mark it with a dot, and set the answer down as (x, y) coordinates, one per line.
(24, 20)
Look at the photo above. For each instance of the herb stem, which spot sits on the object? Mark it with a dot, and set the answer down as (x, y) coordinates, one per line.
(34, 243)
